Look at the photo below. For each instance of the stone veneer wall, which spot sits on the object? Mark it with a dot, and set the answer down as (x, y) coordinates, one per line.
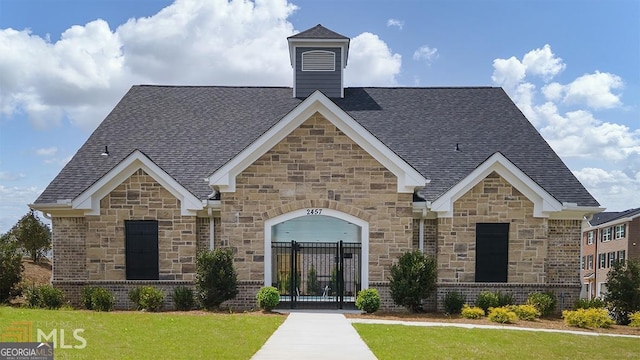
(316, 166)
(140, 198)
(493, 200)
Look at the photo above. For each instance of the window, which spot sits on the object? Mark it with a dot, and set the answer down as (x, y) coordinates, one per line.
(602, 258)
(318, 60)
(620, 231)
(590, 238)
(141, 250)
(492, 252)
(621, 255)
(589, 262)
(612, 259)
(606, 234)
(582, 263)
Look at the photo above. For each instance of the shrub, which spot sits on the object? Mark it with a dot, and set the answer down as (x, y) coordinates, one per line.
(453, 302)
(623, 290)
(526, 312)
(634, 319)
(86, 297)
(45, 296)
(471, 312)
(588, 304)
(502, 315)
(545, 302)
(368, 300)
(10, 268)
(412, 279)
(134, 296)
(587, 318)
(505, 299)
(147, 298)
(487, 299)
(102, 299)
(32, 295)
(312, 281)
(216, 278)
(268, 298)
(183, 298)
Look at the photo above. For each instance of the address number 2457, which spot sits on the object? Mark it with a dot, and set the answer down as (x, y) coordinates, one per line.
(314, 211)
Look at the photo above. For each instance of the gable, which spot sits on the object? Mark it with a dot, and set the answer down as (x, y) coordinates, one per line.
(408, 179)
(544, 204)
(88, 202)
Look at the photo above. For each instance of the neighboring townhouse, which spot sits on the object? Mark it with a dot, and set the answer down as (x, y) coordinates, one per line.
(318, 189)
(608, 237)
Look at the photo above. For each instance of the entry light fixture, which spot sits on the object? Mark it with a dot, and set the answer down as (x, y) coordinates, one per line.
(106, 151)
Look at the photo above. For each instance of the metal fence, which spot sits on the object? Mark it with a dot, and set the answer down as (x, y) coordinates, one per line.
(316, 275)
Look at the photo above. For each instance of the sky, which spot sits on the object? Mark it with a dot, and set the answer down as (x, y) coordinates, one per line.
(572, 67)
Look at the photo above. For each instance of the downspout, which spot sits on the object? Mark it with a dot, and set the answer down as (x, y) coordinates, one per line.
(421, 234)
(211, 229)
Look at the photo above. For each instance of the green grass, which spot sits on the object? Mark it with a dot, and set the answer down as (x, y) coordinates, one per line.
(136, 335)
(409, 342)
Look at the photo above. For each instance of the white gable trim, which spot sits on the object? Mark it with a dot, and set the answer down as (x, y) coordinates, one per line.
(224, 178)
(543, 203)
(89, 200)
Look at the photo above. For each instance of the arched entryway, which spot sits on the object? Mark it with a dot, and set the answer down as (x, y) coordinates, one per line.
(317, 258)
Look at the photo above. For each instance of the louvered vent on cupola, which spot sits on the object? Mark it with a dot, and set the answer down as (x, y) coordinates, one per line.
(318, 60)
(318, 57)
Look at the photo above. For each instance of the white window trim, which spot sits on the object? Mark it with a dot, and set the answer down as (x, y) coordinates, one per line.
(606, 234)
(620, 231)
(590, 238)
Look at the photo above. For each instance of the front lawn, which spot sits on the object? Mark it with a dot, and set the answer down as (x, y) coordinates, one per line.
(136, 335)
(409, 342)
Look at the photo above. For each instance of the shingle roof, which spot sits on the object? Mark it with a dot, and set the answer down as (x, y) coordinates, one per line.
(190, 132)
(605, 217)
(318, 32)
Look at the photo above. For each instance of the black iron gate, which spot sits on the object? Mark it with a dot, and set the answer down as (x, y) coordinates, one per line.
(316, 275)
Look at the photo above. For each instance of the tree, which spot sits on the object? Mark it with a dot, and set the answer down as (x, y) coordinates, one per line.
(412, 279)
(10, 267)
(623, 290)
(216, 278)
(33, 236)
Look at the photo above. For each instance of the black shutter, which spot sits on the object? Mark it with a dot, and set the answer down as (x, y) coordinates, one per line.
(141, 243)
(492, 252)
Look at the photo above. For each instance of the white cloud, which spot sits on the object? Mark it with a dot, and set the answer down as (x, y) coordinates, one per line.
(190, 42)
(371, 62)
(7, 176)
(50, 151)
(13, 205)
(397, 23)
(594, 90)
(543, 62)
(425, 53)
(508, 73)
(553, 91)
(579, 134)
(620, 189)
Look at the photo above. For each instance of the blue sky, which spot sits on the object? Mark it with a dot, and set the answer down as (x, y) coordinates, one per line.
(573, 67)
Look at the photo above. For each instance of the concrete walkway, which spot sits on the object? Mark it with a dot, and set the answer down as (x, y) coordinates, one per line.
(315, 335)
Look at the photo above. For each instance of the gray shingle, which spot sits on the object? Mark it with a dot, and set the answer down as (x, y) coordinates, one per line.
(192, 131)
(605, 217)
(318, 32)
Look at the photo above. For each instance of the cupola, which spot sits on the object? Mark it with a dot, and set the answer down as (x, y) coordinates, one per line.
(318, 57)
